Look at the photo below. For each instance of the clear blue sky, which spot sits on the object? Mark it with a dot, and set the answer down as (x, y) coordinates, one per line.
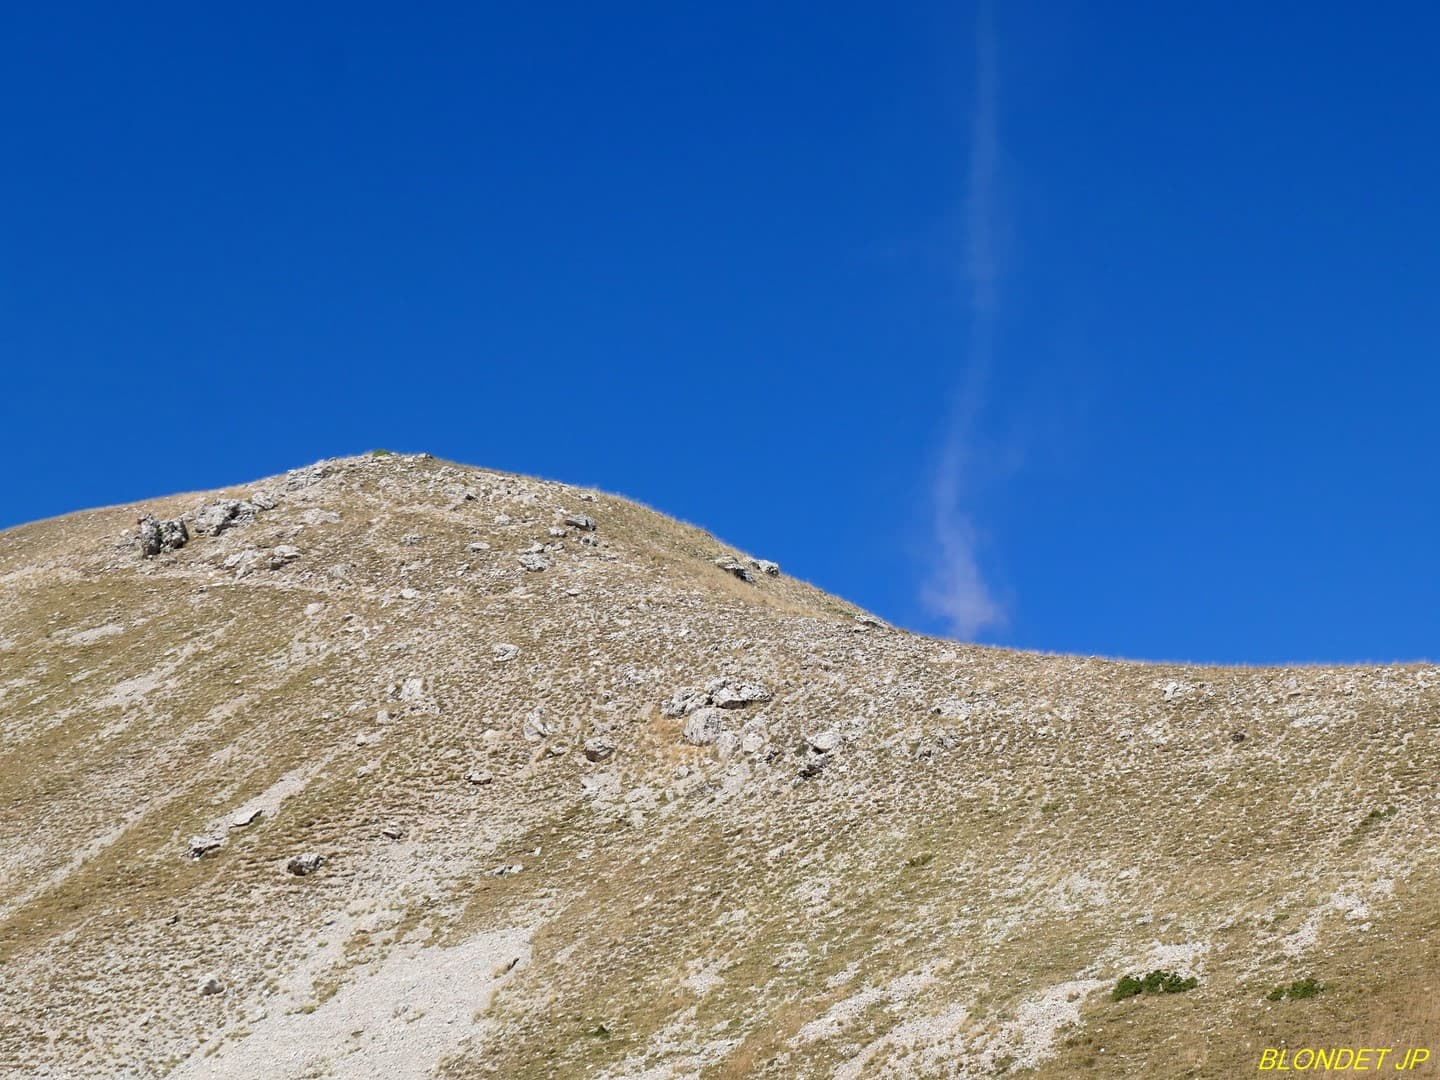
(1096, 328)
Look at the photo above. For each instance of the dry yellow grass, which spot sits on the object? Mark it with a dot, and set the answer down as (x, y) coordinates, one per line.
(998, 837)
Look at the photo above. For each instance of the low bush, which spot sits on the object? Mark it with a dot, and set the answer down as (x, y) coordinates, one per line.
(1296, 991)
(1154, 982)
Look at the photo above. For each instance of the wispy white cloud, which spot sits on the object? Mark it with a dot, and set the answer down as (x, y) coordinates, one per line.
(956, 589)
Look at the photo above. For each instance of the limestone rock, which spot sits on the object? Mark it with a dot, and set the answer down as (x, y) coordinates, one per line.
(536, 726)
(301, 865)
(283, 554)
(704, 726)
(726, 744)
(581, 521)
(505, 652)
(599, 748)
(161, 537)
(733, 566)
(825, 741)
(736, 694)
(534, 562)
(244, 817)
(214, 518)
(685, 701)
(203, 844)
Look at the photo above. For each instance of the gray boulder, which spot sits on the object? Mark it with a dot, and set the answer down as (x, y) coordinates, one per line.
(728, 694)
(301, 865)
(599, 748)
(685, 701)
(534, 562)
(536, 726)
(214, 518)
(202, 845)
(283, 554)
(161, 537)
(704, 726)
(733, 566)
(581, 521)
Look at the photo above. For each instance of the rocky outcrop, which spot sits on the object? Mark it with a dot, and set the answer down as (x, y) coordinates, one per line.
(159, 537)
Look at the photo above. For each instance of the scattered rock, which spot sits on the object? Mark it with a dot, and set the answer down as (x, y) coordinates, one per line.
(726, 743)
(311, 610)
(161, 537)
(508, 870)
(534, 562)
(479, 545)
(243, 562)
(479, 776)
(1237, 736)
(954, 709)
(685, 701)
(301, 865)
(726, 694)
(814, 765)
(210, 986)
(216, 517)
(751, 741)
(201, 845)
(602, 785)
(765, 566)
(1173, 690)
(731, 565)
(866, 623)
(283, 554)
(409, 594)
(245, 817)
(599, 749)
(581, 521)
(704, 726)
(555, 530)
(723, 693)
(393, 832)
(506, 652)
(825, 741)
(536, 726)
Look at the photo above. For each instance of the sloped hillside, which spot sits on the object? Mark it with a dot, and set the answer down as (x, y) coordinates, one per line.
(397, 765)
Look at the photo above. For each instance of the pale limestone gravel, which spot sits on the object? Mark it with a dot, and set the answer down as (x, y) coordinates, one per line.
(396, 1021)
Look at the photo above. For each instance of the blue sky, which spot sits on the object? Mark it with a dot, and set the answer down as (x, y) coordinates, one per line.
(1089, 328)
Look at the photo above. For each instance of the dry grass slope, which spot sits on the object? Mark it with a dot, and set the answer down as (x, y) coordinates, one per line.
(953, 890)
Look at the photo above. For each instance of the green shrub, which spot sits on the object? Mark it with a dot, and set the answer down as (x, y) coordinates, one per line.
(1296, 991)
(382, 453)
(1154, 982)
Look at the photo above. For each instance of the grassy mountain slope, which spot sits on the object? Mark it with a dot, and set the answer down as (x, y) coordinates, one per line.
(987, 843)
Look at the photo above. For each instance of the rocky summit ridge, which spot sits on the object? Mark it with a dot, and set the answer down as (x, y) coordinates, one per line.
(394, 767)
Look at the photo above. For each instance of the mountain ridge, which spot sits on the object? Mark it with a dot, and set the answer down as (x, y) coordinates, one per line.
(594, 793)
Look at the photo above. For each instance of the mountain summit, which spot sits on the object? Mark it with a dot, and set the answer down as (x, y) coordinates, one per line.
(391, 767)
